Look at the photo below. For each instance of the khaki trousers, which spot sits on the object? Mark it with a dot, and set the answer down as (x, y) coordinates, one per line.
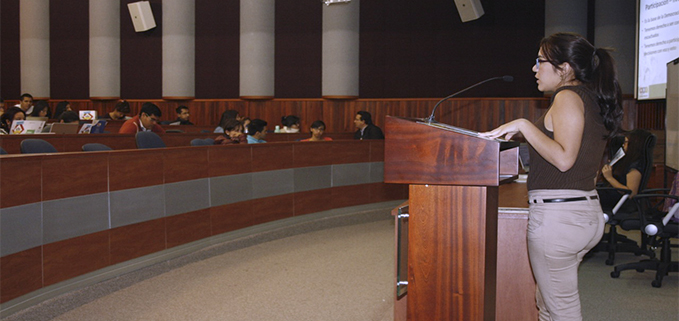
(559, 235)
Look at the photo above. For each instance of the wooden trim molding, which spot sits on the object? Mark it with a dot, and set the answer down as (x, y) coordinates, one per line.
(256, 97)
(178, 97)
(105, 98)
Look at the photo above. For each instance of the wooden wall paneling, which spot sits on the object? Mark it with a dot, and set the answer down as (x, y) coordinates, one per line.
(313, 201)
(20, 273)
(21, 179)
(182, 164)
(347, 152)
(134, 168)
(187, 227)
(136, 240)
(382, 192)
(272, 208)
(376, 150)
(73, 257)
(229, 160)
(272, 156)
(309, 154)
(86, 173)
(351, 195)
(231, 217)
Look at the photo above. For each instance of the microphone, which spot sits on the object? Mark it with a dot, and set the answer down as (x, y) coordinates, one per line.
(430, 119)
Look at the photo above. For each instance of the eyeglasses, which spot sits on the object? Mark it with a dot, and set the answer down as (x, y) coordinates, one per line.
(538, 61)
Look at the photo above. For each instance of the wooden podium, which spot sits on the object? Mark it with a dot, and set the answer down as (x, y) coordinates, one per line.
(453, 215)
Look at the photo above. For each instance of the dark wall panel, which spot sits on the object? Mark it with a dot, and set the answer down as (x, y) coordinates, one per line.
(422, 49)
(298, 39)
(217, 48)
(10, 69)
(69, 49)
(141, 56)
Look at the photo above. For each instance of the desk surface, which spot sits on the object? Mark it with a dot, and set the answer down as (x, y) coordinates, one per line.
(514, 195)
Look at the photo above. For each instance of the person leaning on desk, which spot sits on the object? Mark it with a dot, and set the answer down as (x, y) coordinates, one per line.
(147, 120)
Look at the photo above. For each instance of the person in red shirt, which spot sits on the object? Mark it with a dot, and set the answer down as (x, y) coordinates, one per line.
(147, 120)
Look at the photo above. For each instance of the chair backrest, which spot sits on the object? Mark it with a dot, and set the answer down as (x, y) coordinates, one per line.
(36, 146)
(94, 147)
(148, 140)
(649, 145)
(3, 151)
(202, 142)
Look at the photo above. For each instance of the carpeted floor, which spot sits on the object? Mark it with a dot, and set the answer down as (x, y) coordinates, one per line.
(341, 273)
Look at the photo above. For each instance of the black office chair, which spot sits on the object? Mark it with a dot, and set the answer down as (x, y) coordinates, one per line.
(656, 223)
(149, 140)
(3, 151)
(202, 142)
(95, 147)
(624, 213)
(36, 146)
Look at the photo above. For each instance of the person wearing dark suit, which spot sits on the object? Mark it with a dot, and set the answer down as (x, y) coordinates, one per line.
(366, 128)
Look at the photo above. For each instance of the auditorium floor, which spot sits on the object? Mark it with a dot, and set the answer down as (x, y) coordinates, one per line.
(341, 273)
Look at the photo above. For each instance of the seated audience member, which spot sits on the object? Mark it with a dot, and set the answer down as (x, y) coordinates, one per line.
(41, 109)
(182, 116)
(66, 117)
(120, 112)
(366, 128)
(290, 124)
(317, 130)
(229, 114)
(2, 106)
(246, 123)
(8, 117)
(26, 103)
(626, 173)
(62, 106)
(257, 131)
(69, 116)
(233, 133)
(147, 120)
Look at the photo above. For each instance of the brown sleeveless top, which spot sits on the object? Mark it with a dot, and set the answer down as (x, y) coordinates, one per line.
(582, 175)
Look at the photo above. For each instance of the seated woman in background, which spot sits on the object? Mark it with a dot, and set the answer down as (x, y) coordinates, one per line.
(8, 117)
(317, 130)
(290, 124)
(62, 106)
(626, 173)
(41, 109)
(233, 133)
(229, 114)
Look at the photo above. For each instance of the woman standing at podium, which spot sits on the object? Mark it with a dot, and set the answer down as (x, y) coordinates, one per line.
(566, 145)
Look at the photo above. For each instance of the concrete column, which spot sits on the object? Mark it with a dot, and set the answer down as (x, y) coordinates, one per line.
(104, 49)
(340, 50)
(257, 48)
(615, 27)
(566, 16)
(34, 43)
(179, 49)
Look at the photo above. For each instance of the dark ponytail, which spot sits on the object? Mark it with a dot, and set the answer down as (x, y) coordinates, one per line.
(605, 84)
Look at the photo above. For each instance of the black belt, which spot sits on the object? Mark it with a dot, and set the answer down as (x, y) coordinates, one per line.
(564, 200)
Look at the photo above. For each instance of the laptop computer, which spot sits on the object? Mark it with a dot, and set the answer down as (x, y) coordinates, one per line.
(64, 128)
(20, 127)
(87, 114)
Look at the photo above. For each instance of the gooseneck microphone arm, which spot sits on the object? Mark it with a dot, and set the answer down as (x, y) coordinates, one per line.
(430, 119)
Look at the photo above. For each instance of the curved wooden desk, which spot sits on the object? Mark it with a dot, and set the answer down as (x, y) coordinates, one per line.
(68, 214)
